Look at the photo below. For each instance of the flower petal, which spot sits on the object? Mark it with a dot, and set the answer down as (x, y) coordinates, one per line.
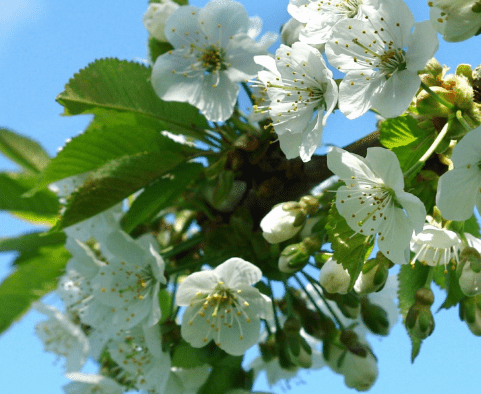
(236, 271)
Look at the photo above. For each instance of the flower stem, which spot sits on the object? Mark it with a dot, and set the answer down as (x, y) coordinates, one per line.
(464, 122)
(321, 296)
(431, 149)
(436, 97)
(276, 318)
(288, 295)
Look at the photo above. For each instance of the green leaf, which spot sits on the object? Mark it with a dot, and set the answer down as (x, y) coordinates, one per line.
(31, 241)
(160, 195)
(117, 180)
(119, 85)
(157, 48)
(411, 280)
(186, 356)
(226, 376)
(400, 131)
(454, 293)
(107, 139)
(350, 249)
(36, 275)
(425, 186)
(23, 151)
(471, 226)
(43, 207)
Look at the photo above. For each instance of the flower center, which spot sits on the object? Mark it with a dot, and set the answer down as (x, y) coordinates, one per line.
(391, 61)
(212, 59)
(348, 8)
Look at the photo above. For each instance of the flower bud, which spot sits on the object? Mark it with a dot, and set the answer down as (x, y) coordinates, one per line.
(293, 258)
(349, 304)
(463, 91)
(290, 31)
(282, 224)
(374, 317)
(156, 17)
(373, 275)
(309, 204)
(470, 267)
(470, 312)
(419, 320)
(334, 278)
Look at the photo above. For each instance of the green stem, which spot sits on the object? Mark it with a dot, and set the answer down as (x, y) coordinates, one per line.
(276, 318)
(464, 122)
(290, 309)
(176, 249)
(321, 296)
(431, 149)
(436, 97)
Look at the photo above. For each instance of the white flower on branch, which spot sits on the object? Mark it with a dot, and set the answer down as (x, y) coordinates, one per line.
(156, 17)
(459, 190)
(213, 52)
(223, 306)
(334, 278)
(302, 94)
(373, 201)
(279, 224)
(456, 20)
(83, 383)
(381, 58)
(321, 16)
(62, 337)
(435, 246)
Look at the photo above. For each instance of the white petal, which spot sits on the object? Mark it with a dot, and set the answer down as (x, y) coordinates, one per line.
(290, 143)
(236, 271)
(356, 92)
(468, 150)
(203, 282)
(414, 208)
(396, 233)
(422, 47)
(385, 165)
(345, 165)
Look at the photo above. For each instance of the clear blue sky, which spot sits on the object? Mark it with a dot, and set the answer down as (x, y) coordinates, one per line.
(42, 44)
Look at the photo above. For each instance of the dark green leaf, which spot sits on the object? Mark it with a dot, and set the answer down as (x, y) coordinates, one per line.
(36, 275)
(424, 186)
(31, 241)
(117, 180)
(43, 207)
(411, 280)
(160, 194)
(186, 356)
(350, 249)
(23, 151)
(226, 376)
(119, 85)
(107, 139)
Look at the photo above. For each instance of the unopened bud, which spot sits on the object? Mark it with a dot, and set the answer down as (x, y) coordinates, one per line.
(419, 320)
(434, 68)
(309, 204)
(373, 275)
(156, 17)
(279, 224)
(374, 317)
(334, 278)
(293, 258)
(463, 91)
(470, 272)
(299, 351)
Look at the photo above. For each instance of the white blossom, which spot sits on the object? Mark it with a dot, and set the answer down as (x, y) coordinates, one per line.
(455, 19)
(61, 336)
(290, 31)
(223, 306)
(435, 246)
(334, 278)
(321, 16)
(139, 353)
(213, 52)
(302, 95)
(278, 225)
(459, 190)
(156, 17)
(381, 58)
(373, 201)
(83, 383)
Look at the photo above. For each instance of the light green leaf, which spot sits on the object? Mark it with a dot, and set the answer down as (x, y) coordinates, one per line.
(43, 207)
(160, 194)
(400, 131)
(350, 249)
(471, 226)
(119, 85)
(36, 275)
(23, 151)
(31, 241)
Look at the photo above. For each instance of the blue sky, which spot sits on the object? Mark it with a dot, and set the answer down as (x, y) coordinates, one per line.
(42, 44)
